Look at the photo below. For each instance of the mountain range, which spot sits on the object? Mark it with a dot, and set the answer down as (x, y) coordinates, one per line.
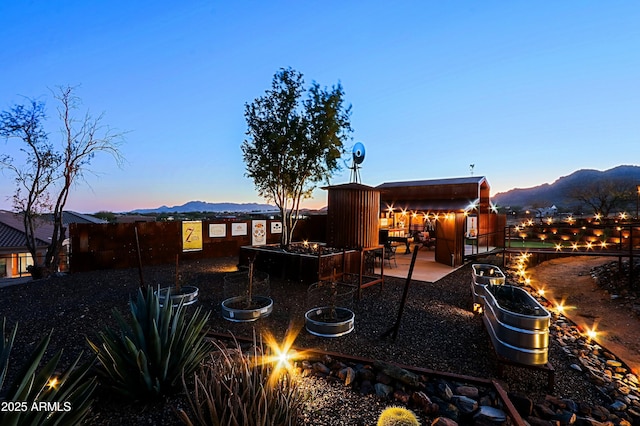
(559, 192)
(203, 206)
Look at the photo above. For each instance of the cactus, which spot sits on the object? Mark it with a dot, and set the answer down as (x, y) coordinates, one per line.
(397, 416)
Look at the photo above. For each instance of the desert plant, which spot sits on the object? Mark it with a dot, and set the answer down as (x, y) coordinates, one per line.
(234, 388)
(44, 397)
(146, 358)
(397, 416)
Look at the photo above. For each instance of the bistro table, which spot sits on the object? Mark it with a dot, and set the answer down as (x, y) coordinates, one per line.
(406, 240)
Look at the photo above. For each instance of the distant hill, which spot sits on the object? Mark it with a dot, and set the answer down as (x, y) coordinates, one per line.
(203, 206)
(559, 192)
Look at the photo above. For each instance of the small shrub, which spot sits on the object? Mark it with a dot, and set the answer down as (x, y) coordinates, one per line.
(397, 416)
(68, 396)
(233, 388)
(146, 358)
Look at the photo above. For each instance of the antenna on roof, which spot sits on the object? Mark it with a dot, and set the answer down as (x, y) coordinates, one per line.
(471, 166)
(357, 154)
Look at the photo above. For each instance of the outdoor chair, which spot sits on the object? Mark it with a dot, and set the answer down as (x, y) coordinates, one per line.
(390, 254)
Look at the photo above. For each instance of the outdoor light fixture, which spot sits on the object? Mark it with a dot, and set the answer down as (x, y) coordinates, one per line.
(281, 355)
(53, 383)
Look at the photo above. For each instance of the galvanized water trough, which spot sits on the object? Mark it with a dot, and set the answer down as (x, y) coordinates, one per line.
(517, 324)
(481, 276)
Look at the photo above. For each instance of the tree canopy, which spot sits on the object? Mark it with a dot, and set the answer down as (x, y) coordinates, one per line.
(295, 139)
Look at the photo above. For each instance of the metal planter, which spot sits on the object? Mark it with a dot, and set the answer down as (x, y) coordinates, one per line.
(318, 323)
(481, 276)
(518, 337)
(187, 295)
(264, 308)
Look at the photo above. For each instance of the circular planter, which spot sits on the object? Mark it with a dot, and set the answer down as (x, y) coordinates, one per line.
(318, 323)
(262, 307)
(187, 294)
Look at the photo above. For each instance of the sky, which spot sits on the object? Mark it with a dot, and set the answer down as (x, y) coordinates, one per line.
(526, 92)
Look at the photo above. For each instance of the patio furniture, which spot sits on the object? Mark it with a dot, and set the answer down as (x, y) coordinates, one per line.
(390, 254)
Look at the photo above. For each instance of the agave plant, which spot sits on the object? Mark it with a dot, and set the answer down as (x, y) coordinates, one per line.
(147, 357)
(44, 397)
(235, 388)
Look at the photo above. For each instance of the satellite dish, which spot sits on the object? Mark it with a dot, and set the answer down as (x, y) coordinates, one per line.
(358, 157)
(358, 153)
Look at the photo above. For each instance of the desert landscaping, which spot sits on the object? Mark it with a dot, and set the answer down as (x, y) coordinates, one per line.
(438, 332)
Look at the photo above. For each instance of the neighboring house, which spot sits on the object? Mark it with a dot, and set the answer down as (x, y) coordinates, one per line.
(133, 218)
(14, 256)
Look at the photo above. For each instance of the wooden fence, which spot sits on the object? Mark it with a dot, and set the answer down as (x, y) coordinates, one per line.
(114, 246)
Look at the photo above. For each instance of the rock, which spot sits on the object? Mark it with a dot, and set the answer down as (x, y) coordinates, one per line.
(401, 396)
(576, 367)
(465, 404)
(600, 413)
(381, 377)
(366, 388)
(444, 391)
(618, 405)
(319, 367)
(347, 375)
(443, 421)
(421, 399)
(557, 402)
(382, 390)
(565, 417)
(544, 412)
(400, 374)
(494, 415)
(469, 391)
(613, 363)
(449, 410)
(536, 421)
(366, 374)
(587, 421)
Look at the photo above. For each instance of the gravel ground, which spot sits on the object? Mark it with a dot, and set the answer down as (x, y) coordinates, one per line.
(438, 331)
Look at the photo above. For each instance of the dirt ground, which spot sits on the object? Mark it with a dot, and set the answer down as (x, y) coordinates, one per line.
(569, 280)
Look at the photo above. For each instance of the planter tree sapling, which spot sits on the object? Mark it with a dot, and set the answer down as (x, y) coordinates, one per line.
(293, 144)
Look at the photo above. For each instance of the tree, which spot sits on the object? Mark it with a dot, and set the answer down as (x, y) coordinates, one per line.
(603, 196)
(44, 179)
(294, 143)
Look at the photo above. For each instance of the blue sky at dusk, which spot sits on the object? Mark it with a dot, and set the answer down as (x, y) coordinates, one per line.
(526, 91)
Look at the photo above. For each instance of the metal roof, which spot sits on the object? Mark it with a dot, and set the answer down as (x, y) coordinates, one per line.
(12, 233)
(477, 180)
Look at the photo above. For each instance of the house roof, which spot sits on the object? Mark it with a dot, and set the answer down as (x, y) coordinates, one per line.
(12, 233)
(451, 194)
(354, 186)
(75, 217)
(433, 182)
